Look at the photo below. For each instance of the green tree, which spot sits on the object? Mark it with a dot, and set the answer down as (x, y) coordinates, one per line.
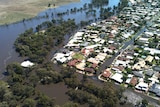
(70, 104)
(44, 101)
(144, 103)
(29, 102)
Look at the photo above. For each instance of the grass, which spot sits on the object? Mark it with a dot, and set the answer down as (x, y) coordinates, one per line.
(14, 17)
(78, 56)
(17, 10)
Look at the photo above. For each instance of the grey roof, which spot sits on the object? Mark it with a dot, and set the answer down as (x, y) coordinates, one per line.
(155, 89)
(138, 74)
(156, 68)
(149, 72)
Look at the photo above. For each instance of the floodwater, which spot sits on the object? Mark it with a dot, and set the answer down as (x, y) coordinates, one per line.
(9, 33)
(56, 92)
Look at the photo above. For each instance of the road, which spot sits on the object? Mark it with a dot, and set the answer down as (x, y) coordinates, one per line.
(130, 93)
(109, 61)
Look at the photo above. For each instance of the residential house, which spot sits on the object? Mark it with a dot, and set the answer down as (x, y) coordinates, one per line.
(155, 88)
(89, 70)
(129, 77)
(106, 74)
(27, 64)
(134, 81)
(81, 66)
(142, 86)
(117, 77)
(73, 62)
(138, 74)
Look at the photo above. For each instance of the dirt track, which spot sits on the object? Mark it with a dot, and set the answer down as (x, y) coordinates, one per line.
(16, 10)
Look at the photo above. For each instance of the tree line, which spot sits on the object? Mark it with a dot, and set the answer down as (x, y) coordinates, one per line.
(37, 45)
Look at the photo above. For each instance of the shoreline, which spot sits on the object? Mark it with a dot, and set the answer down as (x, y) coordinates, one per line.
(14, 11)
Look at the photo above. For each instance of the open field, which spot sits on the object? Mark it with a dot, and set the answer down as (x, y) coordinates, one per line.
(15, 10)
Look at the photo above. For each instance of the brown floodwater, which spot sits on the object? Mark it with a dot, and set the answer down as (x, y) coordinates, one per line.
(55, 91)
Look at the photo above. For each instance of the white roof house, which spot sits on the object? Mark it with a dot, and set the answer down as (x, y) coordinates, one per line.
(27, 64)
(117, 77)
(120, 62)
(78, 34)
(101, 56)
(126, 35)
(144, 39)
(152, 50)
(60, 57)
(129, 78)
(142, 86)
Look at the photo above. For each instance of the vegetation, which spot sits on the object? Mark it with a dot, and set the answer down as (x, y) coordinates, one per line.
(96, 96)
(36, 46)
(78, 56)
(20, 89)
(107, 12)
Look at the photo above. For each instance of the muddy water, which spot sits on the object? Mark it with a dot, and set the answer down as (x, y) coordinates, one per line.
(55, 91)
(9, 33)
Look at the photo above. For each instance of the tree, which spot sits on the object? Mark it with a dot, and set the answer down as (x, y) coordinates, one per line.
(29, 102)
(44, 101)
(144, 103)
(15, 68)
(5, 93)
(70, 104)
(33, 80)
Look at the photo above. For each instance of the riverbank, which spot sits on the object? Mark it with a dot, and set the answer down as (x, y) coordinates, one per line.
(16, 10)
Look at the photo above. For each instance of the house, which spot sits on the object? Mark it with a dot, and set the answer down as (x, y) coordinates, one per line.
(152, 50)
(138, 66)
(60, 57)
(155, 88)
(93, 60)
(126, 35)
(142, 86)
(111, 47)
(134, 81)
(149, 72)
(81, 66)
(144, 40)
(138, 74)
(27, 64)
(118, 68)
(129, 77)
(117, 77)
(156, 68)
(101, 56)
(120, 62)
(86, 52)
(89, 70)
(94, 65)
(73, 62)
(106, 74)
(149, 58)
(110, 41)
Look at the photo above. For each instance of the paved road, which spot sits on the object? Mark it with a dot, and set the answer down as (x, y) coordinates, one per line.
(131, 94)
(109, 61)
